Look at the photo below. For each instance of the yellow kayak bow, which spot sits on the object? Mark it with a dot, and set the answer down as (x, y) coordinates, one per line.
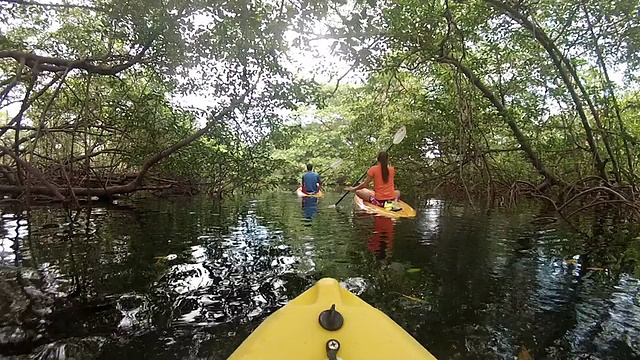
(329, 322)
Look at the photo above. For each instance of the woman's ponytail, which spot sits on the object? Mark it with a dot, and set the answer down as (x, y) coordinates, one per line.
(383, 158)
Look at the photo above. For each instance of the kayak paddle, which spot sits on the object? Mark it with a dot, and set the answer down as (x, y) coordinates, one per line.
(397, 138)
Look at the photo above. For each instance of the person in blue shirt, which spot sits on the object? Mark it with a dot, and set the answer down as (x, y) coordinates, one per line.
(311, 181)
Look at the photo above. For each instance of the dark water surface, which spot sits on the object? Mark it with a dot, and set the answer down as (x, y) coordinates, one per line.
(189, 279)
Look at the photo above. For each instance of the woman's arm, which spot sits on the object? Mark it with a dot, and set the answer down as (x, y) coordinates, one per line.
(363, 185)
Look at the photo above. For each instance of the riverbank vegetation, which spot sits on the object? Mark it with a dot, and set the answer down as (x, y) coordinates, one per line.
(500, 99)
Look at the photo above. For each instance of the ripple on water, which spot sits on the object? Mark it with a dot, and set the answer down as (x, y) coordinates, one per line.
(135, 312)
(71, 348)
(623, 320)
(235, 279)
(356, 285)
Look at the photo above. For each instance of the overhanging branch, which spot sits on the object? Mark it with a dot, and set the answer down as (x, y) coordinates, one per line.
(51, 64)
(52, 6)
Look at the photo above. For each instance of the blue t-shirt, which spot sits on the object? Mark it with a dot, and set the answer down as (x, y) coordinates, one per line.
(310, 182)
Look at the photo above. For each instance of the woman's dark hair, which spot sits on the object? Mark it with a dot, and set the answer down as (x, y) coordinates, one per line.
(383, 158)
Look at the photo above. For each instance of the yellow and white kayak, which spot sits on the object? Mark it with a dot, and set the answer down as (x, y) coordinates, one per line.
(306, 328)
(406, 211)
(302, 194)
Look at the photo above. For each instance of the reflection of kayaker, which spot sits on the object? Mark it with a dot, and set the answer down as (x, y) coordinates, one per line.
(310, 207)
(381, 242)
(384, 193)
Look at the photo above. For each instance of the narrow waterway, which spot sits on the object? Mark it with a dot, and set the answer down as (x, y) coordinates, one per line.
(189, 278)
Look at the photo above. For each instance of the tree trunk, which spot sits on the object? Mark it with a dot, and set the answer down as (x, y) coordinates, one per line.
(517, 133)
(565, 74)
(612, 95)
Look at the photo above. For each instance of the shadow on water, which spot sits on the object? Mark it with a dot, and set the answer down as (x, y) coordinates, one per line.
(187, 279)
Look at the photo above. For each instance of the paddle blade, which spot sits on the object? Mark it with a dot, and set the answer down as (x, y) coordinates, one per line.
(399, 136)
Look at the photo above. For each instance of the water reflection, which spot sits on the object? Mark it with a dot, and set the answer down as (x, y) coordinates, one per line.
(310, 207)
(190, 279)
(381, 242)
(233, 279)
(14, 230)
(429, 220)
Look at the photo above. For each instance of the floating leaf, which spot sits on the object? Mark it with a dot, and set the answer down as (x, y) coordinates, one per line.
(408, 297)
(166, 258)
(413, 270)
(412, 298)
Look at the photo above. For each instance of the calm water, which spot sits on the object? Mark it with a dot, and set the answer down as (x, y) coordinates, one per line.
(189, 279)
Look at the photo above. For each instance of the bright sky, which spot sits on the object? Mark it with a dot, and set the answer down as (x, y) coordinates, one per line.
(317, 62)
(325, 68)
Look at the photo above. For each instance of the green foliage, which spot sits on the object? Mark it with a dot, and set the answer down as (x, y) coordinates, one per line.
(490, 92)
(99, 81)
(316, 143)
(485, 92)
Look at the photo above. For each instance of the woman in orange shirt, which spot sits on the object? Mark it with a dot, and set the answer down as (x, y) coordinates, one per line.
(383, 189)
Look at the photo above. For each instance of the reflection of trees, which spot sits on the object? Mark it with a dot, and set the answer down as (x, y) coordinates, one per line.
(231, 271)
(492, 284)
(49, 280)
(328, 246)
(224, 286)
(84, 257)
(603, 304)
(15, 301)
(237, 280)
(488, 284)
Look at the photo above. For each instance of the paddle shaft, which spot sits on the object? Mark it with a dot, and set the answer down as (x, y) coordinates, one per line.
(325, 170)
(361, 177)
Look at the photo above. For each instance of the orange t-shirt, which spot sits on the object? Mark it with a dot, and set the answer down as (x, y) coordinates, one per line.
(383, 191)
